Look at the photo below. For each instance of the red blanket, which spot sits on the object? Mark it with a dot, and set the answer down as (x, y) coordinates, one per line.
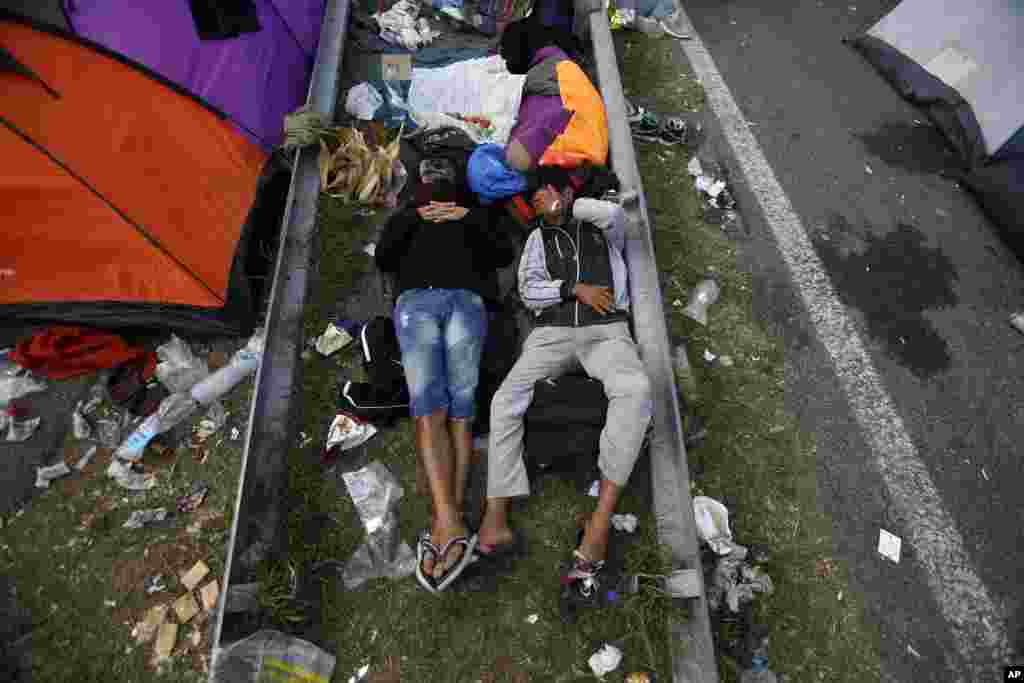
(61, 352)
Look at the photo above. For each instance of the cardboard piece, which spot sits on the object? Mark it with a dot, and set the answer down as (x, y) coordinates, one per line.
(192, 578)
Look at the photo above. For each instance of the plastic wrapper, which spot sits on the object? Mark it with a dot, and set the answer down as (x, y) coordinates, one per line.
(179, 369)
(271, 656)
(333, 339)
(243, 363)
(375, 493)
(128, 478)
(735, 582)
(16, 382)
(44, 475)
(21, 430)
(347, 432)
(363, 101)
(605, 660)
(141, 518)
(713, 524)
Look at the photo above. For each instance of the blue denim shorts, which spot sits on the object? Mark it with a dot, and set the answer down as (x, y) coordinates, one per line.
(441, 333)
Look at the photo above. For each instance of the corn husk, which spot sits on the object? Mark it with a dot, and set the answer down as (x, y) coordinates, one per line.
(353, 170)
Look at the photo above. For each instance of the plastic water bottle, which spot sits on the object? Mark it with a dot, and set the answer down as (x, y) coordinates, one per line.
(759, 671)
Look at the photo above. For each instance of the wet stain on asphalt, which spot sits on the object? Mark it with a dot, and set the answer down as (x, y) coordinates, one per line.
(918, 149)
(893, 280)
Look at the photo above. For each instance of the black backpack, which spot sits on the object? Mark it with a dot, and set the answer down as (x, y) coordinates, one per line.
(563, 427)
(384, 397)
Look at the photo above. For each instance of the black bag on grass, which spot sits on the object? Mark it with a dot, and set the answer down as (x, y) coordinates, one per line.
(385, 396)
(563, 427)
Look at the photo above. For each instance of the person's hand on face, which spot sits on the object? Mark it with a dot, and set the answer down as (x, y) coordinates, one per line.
(549, 205)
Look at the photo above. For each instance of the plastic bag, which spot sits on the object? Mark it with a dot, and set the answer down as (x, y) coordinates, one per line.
(490, 177)
(713, 524)
(363, 101)
(272, 656)
(16, 382)
(179, 369)
(375, 493)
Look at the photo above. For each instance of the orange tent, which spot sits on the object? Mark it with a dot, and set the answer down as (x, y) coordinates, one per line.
(125, 199)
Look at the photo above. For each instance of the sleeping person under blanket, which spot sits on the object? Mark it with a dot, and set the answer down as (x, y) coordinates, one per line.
(562, 119)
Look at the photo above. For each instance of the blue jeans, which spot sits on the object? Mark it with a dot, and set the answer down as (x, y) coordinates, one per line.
(441, 333)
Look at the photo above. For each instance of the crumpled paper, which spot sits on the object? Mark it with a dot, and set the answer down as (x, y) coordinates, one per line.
(626, 522)
(735, 582)
(713, 524)
(605, 660)
(332, 340)
(347, 432)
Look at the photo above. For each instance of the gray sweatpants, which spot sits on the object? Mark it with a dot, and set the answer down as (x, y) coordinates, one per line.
(608, 354)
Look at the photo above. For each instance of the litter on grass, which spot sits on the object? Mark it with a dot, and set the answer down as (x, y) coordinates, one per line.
(80, 425)
(889, 545)
(141, 518)
(703, 295)
(375, 492)
(128, 478)
(735, 582)
(709, 357)
(191, 501)
(711, 184)
(154, 584)
(626, 522)
(713, 524)
(532, 619)
(332, 340)
(262, 656)
(194, 575)
(347, 432)
(84, 461)
(18, 430)
(605, 660)
(44, 475)
(360, 675)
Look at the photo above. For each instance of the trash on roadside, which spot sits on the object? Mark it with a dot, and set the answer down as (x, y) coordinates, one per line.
(80, 425)
(360, 675)
(235, 433)
(84, 461)
(889, 545)
(734, 582)
(165, 640)
(867, 169)
(18, 430)
(703, 295)
(332, 340)
(145, 630)
(154, 584)
(347, 432)
(1017, 320)
(375, 492)
(713, 524)
(626, 522)
(209, 594)
(191, 501)
(710, 182)
(370, 249)
(193, 576)
(108, 432)
(173, 409)
(242, 364)
(16, 382)
(605, 660)
(141, 518)
(532, 619)
(128, 478)
(44, 475)
(709, 357)
(271, 654)
(186, 607)
(179, 369)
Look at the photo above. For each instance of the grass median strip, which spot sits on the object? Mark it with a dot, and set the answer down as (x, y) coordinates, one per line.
(755, 459)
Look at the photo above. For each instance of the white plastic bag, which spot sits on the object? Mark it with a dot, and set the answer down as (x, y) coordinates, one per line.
(713, 524)
(272, 656)
(179, 369)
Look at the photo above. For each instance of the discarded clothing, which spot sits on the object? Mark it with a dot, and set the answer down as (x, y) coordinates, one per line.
(486, 88)
(63, 351)
(432, 57)
(401, 25)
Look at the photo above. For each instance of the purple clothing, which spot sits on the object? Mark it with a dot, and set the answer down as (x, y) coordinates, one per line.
(542, 117)
(255, 78)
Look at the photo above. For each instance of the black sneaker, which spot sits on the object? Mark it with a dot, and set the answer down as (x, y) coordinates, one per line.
(674, 131)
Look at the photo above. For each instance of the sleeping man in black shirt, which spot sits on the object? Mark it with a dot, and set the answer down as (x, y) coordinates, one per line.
(444, 257)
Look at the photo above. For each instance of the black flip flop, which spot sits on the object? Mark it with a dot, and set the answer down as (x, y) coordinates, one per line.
(468, 546)
(504, 555)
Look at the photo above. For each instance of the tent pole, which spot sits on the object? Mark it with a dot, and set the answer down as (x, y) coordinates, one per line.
(693, 653)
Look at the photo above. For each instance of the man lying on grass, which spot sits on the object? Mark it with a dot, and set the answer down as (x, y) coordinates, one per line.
(572, 276)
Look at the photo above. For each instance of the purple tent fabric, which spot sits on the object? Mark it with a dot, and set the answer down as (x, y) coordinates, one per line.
(255, 78)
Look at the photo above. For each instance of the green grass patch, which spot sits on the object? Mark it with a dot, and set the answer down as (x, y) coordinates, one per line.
(79, 574)
(755, 458)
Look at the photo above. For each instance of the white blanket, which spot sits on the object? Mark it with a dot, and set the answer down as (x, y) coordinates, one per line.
(475, 87)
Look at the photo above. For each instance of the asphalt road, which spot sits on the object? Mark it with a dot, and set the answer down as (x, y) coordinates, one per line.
(928, 283)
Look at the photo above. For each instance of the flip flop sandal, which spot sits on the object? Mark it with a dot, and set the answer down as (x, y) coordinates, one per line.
(423, 547)
(468, 557)
(501, 557)
(674, 130)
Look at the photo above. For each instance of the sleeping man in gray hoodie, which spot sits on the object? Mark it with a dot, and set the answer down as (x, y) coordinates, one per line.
(573, 278)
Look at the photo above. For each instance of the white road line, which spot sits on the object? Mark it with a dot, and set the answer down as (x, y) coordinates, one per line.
(977, 624)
